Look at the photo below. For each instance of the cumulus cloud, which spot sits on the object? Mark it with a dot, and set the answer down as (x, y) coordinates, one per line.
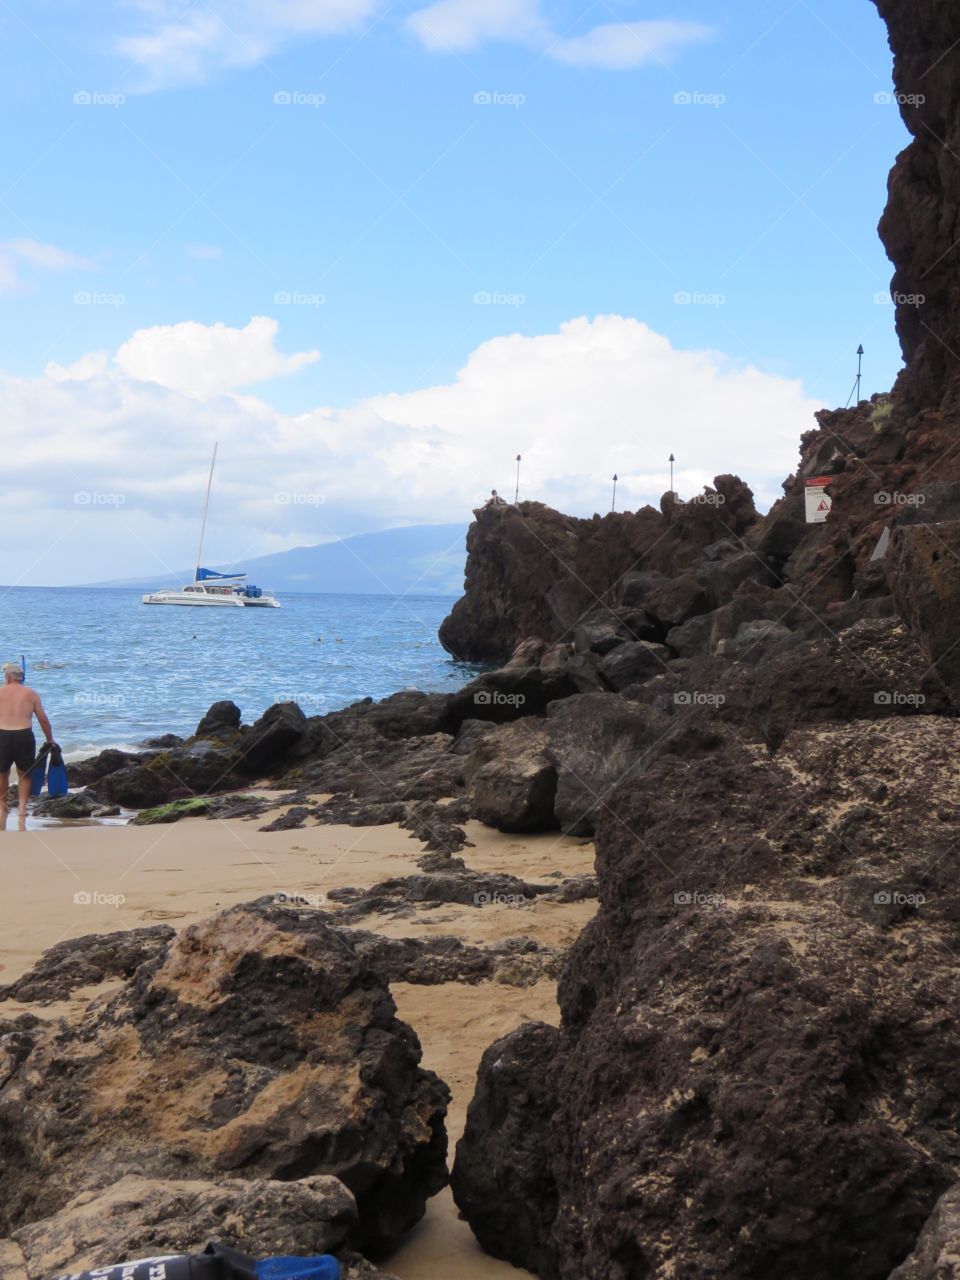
(595, 397)
(620, 46)
(186, 44)
(16, 254)
(208, 359)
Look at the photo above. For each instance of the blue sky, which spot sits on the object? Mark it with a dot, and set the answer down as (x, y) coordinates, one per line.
(428, 159)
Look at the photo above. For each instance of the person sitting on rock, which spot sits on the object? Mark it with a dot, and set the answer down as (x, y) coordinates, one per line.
(495, 500)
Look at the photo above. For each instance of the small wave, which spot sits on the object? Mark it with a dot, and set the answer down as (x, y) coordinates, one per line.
(47, 666)
(72, 754)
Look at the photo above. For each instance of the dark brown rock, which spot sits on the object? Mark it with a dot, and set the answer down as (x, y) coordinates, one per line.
(511, 779)
(256, 1045)
(220, 721)
(754, 1075)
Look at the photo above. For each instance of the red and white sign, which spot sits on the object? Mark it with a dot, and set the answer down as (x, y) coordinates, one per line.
(818, 501)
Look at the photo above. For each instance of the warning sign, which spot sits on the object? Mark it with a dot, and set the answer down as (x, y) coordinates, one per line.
(818, 502)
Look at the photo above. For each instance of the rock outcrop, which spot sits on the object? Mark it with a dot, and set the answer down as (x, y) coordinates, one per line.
(753, 1075)
(254, 1045)
(138, 1217)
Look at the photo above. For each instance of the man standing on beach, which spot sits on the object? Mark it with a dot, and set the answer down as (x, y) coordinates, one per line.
(18, 705)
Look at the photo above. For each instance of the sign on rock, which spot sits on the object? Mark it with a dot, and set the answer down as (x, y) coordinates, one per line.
(818, 502)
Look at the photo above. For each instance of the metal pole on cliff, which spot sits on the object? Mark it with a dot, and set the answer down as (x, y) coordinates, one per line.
(672, 461)
(613, 505)
(856, 386)
(516, 496)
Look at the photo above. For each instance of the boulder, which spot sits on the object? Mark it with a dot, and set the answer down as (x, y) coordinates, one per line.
(921, 566)
(508, 694)
(756, 640)
(137, 1217)
(270, 738)
(755, 1072)
(595, 741)
(86, 962)
(500, 1181)
(256, 1044)
(633, 663)
(937, 1253)
(599, 632)
(76, 804)
(220, 721)
(511, 780)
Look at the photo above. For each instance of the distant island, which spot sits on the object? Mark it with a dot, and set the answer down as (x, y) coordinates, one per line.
(423, 559)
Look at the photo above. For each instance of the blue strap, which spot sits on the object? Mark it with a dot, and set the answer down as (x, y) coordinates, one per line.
(322, 1268)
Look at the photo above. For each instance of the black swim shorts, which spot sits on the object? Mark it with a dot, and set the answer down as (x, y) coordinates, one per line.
(19, 747)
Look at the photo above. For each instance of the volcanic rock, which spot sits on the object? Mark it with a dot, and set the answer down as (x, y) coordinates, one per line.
(137, 1217)
(255, 1045)
(754, 1074)
(511, 780)
(220, 721)
(937, 1255)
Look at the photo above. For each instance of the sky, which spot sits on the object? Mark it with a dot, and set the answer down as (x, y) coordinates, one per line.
(376, 250)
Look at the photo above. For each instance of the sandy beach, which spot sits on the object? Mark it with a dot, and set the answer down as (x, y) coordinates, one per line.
(64, 882)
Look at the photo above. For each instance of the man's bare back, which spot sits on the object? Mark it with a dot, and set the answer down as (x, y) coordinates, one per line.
(18, 705)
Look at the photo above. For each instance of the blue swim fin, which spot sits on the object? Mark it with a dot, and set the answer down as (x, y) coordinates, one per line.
(38, 770)
(56, 773)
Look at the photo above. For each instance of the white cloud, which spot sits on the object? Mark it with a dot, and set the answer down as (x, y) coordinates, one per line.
(208, 359)
(461, 25)
(596, 397)
(15, 254)
(622, 45)
(188, 44)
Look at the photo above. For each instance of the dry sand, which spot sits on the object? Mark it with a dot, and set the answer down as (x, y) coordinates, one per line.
(63, 882)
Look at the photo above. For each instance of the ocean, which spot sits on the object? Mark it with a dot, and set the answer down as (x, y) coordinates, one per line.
(112, 671)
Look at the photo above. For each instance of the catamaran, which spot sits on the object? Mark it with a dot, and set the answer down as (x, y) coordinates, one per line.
(210, 589)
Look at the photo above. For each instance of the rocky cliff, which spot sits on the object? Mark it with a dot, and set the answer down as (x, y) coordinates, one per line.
(753, 1074)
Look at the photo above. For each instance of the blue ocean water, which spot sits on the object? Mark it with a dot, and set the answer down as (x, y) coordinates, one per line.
(112, 671)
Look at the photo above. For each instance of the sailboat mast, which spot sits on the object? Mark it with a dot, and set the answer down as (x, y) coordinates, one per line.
(203, 522)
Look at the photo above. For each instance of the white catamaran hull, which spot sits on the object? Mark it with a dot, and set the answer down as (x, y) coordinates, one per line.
(194, 598)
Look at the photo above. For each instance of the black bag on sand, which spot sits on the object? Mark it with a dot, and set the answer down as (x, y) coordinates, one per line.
(217, 1262)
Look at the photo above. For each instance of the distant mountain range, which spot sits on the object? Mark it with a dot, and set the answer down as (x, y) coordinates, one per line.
(422, 559)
